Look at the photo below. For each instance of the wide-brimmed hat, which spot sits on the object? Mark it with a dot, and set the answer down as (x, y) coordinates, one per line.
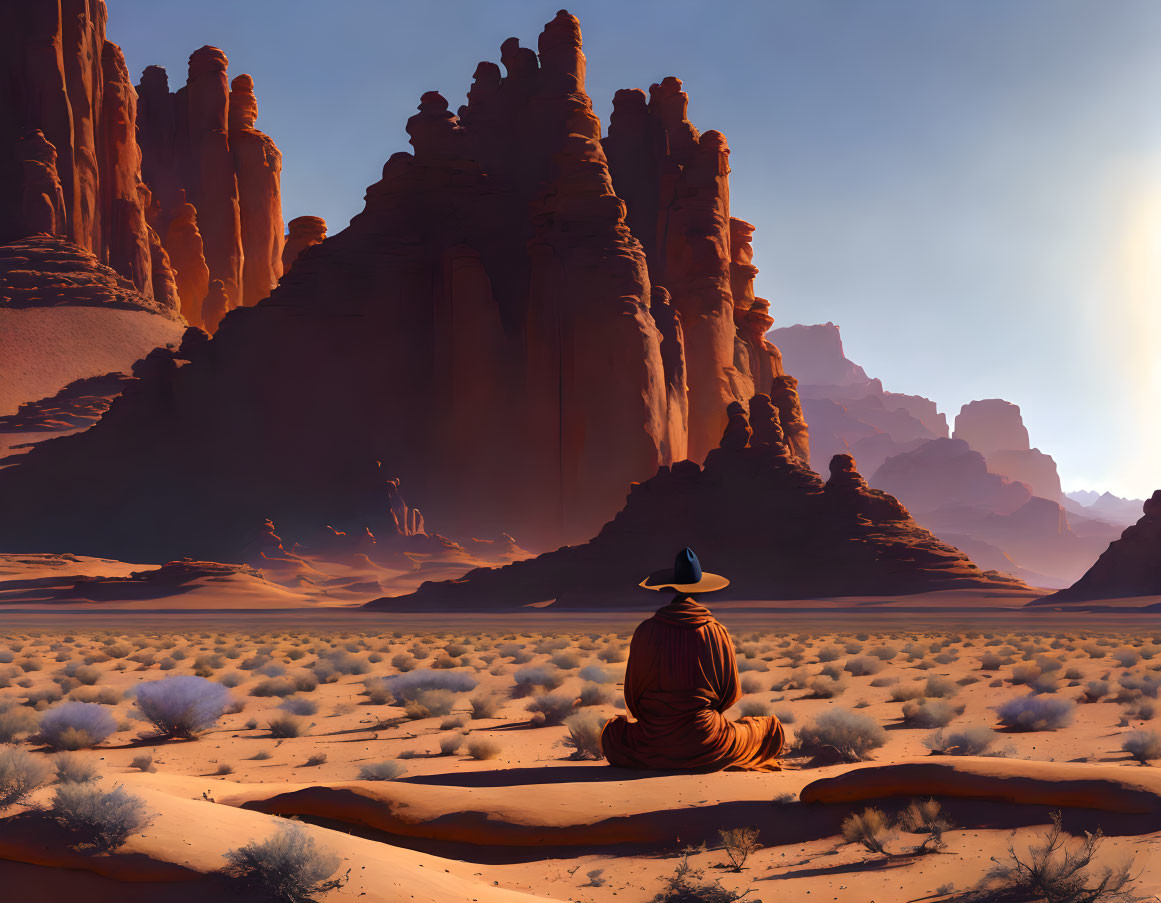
(686, 576)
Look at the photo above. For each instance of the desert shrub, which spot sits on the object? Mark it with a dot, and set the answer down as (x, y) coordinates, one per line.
(739, 843)
(753, 707)
(974, 740)
(182, 706)
(274, 686)
(1035, 713)
(75, 725)
(852, 736)
(863, 666)
(748, 665)
(613, 653)
(378, 691)
(906, 692)
(103, 695)
(928, 713)
(453, 723)
(15, 723)
(102, 820)
(84, 674)
(410, 685)
(939, 687)
(232, 679)
(430, 704)
(884, 653)
(551, 708)
(45, 696)
(1025, 672)
(1144, 746)
(992, 661)
(1095, 690)
(315, 760)
(387, 770)
(829, 653)
(869, 828)
(1051, 871)
(1044, 683)
(598, 674)
(566, 661)
(485, 705)
(297, 705)
(286, 726)
(444, 662)
(595, 694)
(483, 748)
(784, 715)
(1135, 685)
(287, 867)
(1126, 657)
(73, 769)
(1140, 710)
(534, 677)
(403, 662)
(143, 762)
(685, 885)
(449, 744)
(925, 818)
(823, 687)
(584, 734)
(20, 774)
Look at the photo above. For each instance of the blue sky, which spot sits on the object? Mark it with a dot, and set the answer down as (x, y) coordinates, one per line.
(970, 188)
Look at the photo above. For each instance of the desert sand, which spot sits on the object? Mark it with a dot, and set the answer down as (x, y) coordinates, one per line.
(491, 803)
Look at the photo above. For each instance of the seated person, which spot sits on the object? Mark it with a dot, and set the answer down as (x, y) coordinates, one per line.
(681, 677)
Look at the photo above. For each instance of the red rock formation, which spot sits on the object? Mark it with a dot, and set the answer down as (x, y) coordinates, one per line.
(59, 76)
(995, 428)
(1131, 566)
(487, 327)
(763, 518)
(214, 306)
(183, 241)
(258, 165)
(302, 232)
(200, 146)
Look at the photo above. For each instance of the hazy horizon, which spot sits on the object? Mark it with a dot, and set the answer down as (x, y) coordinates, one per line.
(971, 189)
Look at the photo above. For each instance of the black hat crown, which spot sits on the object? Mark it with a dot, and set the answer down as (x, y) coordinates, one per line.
(686, 567)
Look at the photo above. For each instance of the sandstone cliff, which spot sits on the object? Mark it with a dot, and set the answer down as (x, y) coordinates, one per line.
(754, 513)
(70, 165)
(995, 428)
(490, 328)
(1130, 566)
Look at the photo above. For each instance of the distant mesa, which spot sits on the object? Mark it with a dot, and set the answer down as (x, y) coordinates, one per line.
(995, 429)
(1130, 566)
(761, 516)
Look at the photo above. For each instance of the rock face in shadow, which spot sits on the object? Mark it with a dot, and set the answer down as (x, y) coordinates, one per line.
(70, 165)
(302, 232)
(1130, 566)
(951, 490)
(848, 412)
(995, 428)
(755, 513)
(490, 328)
(201, 149)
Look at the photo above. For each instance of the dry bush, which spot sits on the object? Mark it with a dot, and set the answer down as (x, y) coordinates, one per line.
(566, 661)
(182, 706)
(1095, 690)
(1144, 746)
(287, 867)
(929, 713)
(1025, 672)
(598, 674)
(869, 828)
(863, 666)
(1036, 713)
(535, 677)
(551, 708)
(852, 736)
(906, 692)
(429, 704)
(595, 694)
(286, 726)
(1044, 683)
(143, 762)
(939, 687)
(823, 687)
(884, 653)
(584, 735)
(485, 705)
(15, 723)
(739, 843)
(101, 820)
(1126, 657)
(685, 885)
(75, 725)
(73, 769)
(1052, 872)
(784, 715)
(482, 748)
(387, 770)
(275, 686)
(974, 740)
(753, 708)
(20, 774)
(297, 705)
(613, 653)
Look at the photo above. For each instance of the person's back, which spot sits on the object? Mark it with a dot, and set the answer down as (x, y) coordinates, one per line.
(681, 677)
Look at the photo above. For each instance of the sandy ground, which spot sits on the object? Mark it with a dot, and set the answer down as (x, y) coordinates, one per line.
(531, 818)
(44, 349)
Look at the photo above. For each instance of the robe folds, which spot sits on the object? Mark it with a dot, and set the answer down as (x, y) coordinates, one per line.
(681, 677)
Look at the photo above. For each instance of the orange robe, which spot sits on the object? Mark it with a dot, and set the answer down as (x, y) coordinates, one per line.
(682, 675)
